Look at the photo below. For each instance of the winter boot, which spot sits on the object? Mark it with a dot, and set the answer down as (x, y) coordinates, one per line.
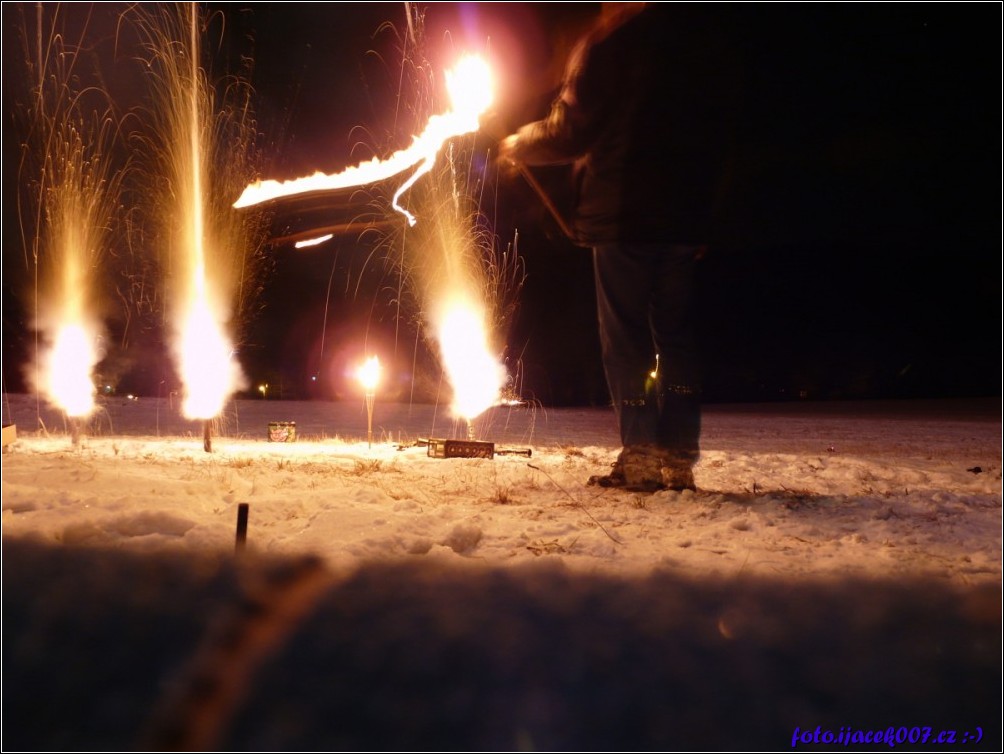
(678, 477)
(614, 479)
(642, 465)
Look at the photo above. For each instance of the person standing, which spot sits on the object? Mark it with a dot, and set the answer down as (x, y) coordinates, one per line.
(644, 118)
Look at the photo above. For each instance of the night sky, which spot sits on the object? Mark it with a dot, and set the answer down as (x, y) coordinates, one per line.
(861, 258)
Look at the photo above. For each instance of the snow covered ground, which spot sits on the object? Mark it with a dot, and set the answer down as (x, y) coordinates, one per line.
(838, 573)
(869, 489)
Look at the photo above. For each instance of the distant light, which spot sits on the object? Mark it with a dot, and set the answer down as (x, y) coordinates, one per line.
(314, 378)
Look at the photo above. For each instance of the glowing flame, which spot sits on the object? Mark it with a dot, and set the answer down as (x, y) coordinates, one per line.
(208, 372)
(471, 368)
(68, 370)
(470, 87)
(369, 374)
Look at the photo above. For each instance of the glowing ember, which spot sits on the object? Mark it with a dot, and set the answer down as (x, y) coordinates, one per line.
(313, 241)
(470, 87)
(369, 374)
(471, 368)
(68, 370)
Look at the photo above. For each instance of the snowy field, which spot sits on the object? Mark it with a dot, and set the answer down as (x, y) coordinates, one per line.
(792, 490)
(840, 566)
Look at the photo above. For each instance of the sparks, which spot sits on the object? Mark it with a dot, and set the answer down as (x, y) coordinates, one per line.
(470, 88)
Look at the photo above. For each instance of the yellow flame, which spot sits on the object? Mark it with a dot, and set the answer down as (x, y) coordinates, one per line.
(475, 375)
(369, 374)
(471, 91)
(68, 369)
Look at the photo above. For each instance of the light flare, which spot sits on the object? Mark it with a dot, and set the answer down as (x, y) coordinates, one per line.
(470, 87)
(369, 374)
(67, 369)
(473, 371)
(205, 362)
(69, 358)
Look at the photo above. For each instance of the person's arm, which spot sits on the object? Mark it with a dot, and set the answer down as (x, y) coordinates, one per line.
(569, 129)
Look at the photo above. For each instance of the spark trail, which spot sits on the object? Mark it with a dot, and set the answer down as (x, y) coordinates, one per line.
(469, 85)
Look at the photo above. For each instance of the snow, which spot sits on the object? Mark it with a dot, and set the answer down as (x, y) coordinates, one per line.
(837, 573)
(867, 489)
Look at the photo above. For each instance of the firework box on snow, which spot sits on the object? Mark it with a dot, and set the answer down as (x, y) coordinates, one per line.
(282, 431)
(470, 449)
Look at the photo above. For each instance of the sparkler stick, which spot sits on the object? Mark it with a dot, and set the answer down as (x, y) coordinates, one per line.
(369, 376)
(242, 527)
(207, 436)
(545, 198)
(369, 419)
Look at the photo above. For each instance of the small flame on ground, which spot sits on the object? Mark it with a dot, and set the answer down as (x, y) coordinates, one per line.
(475, 374)
(469, 84)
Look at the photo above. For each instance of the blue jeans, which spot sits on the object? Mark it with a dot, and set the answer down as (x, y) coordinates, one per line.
(646, 308)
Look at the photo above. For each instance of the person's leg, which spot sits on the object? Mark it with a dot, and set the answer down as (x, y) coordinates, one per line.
(625, 280)
(673, 317)
(625, 276)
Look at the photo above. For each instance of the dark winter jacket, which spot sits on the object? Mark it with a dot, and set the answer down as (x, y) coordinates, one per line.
(645, 117)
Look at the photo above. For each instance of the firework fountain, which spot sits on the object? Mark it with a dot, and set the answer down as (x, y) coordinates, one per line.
(204, 244)
(76, 199)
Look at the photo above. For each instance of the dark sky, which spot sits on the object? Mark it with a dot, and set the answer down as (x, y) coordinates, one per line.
(864, 251)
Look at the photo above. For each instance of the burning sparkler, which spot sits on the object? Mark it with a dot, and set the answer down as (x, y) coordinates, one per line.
(470, 88)
(369, 377)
